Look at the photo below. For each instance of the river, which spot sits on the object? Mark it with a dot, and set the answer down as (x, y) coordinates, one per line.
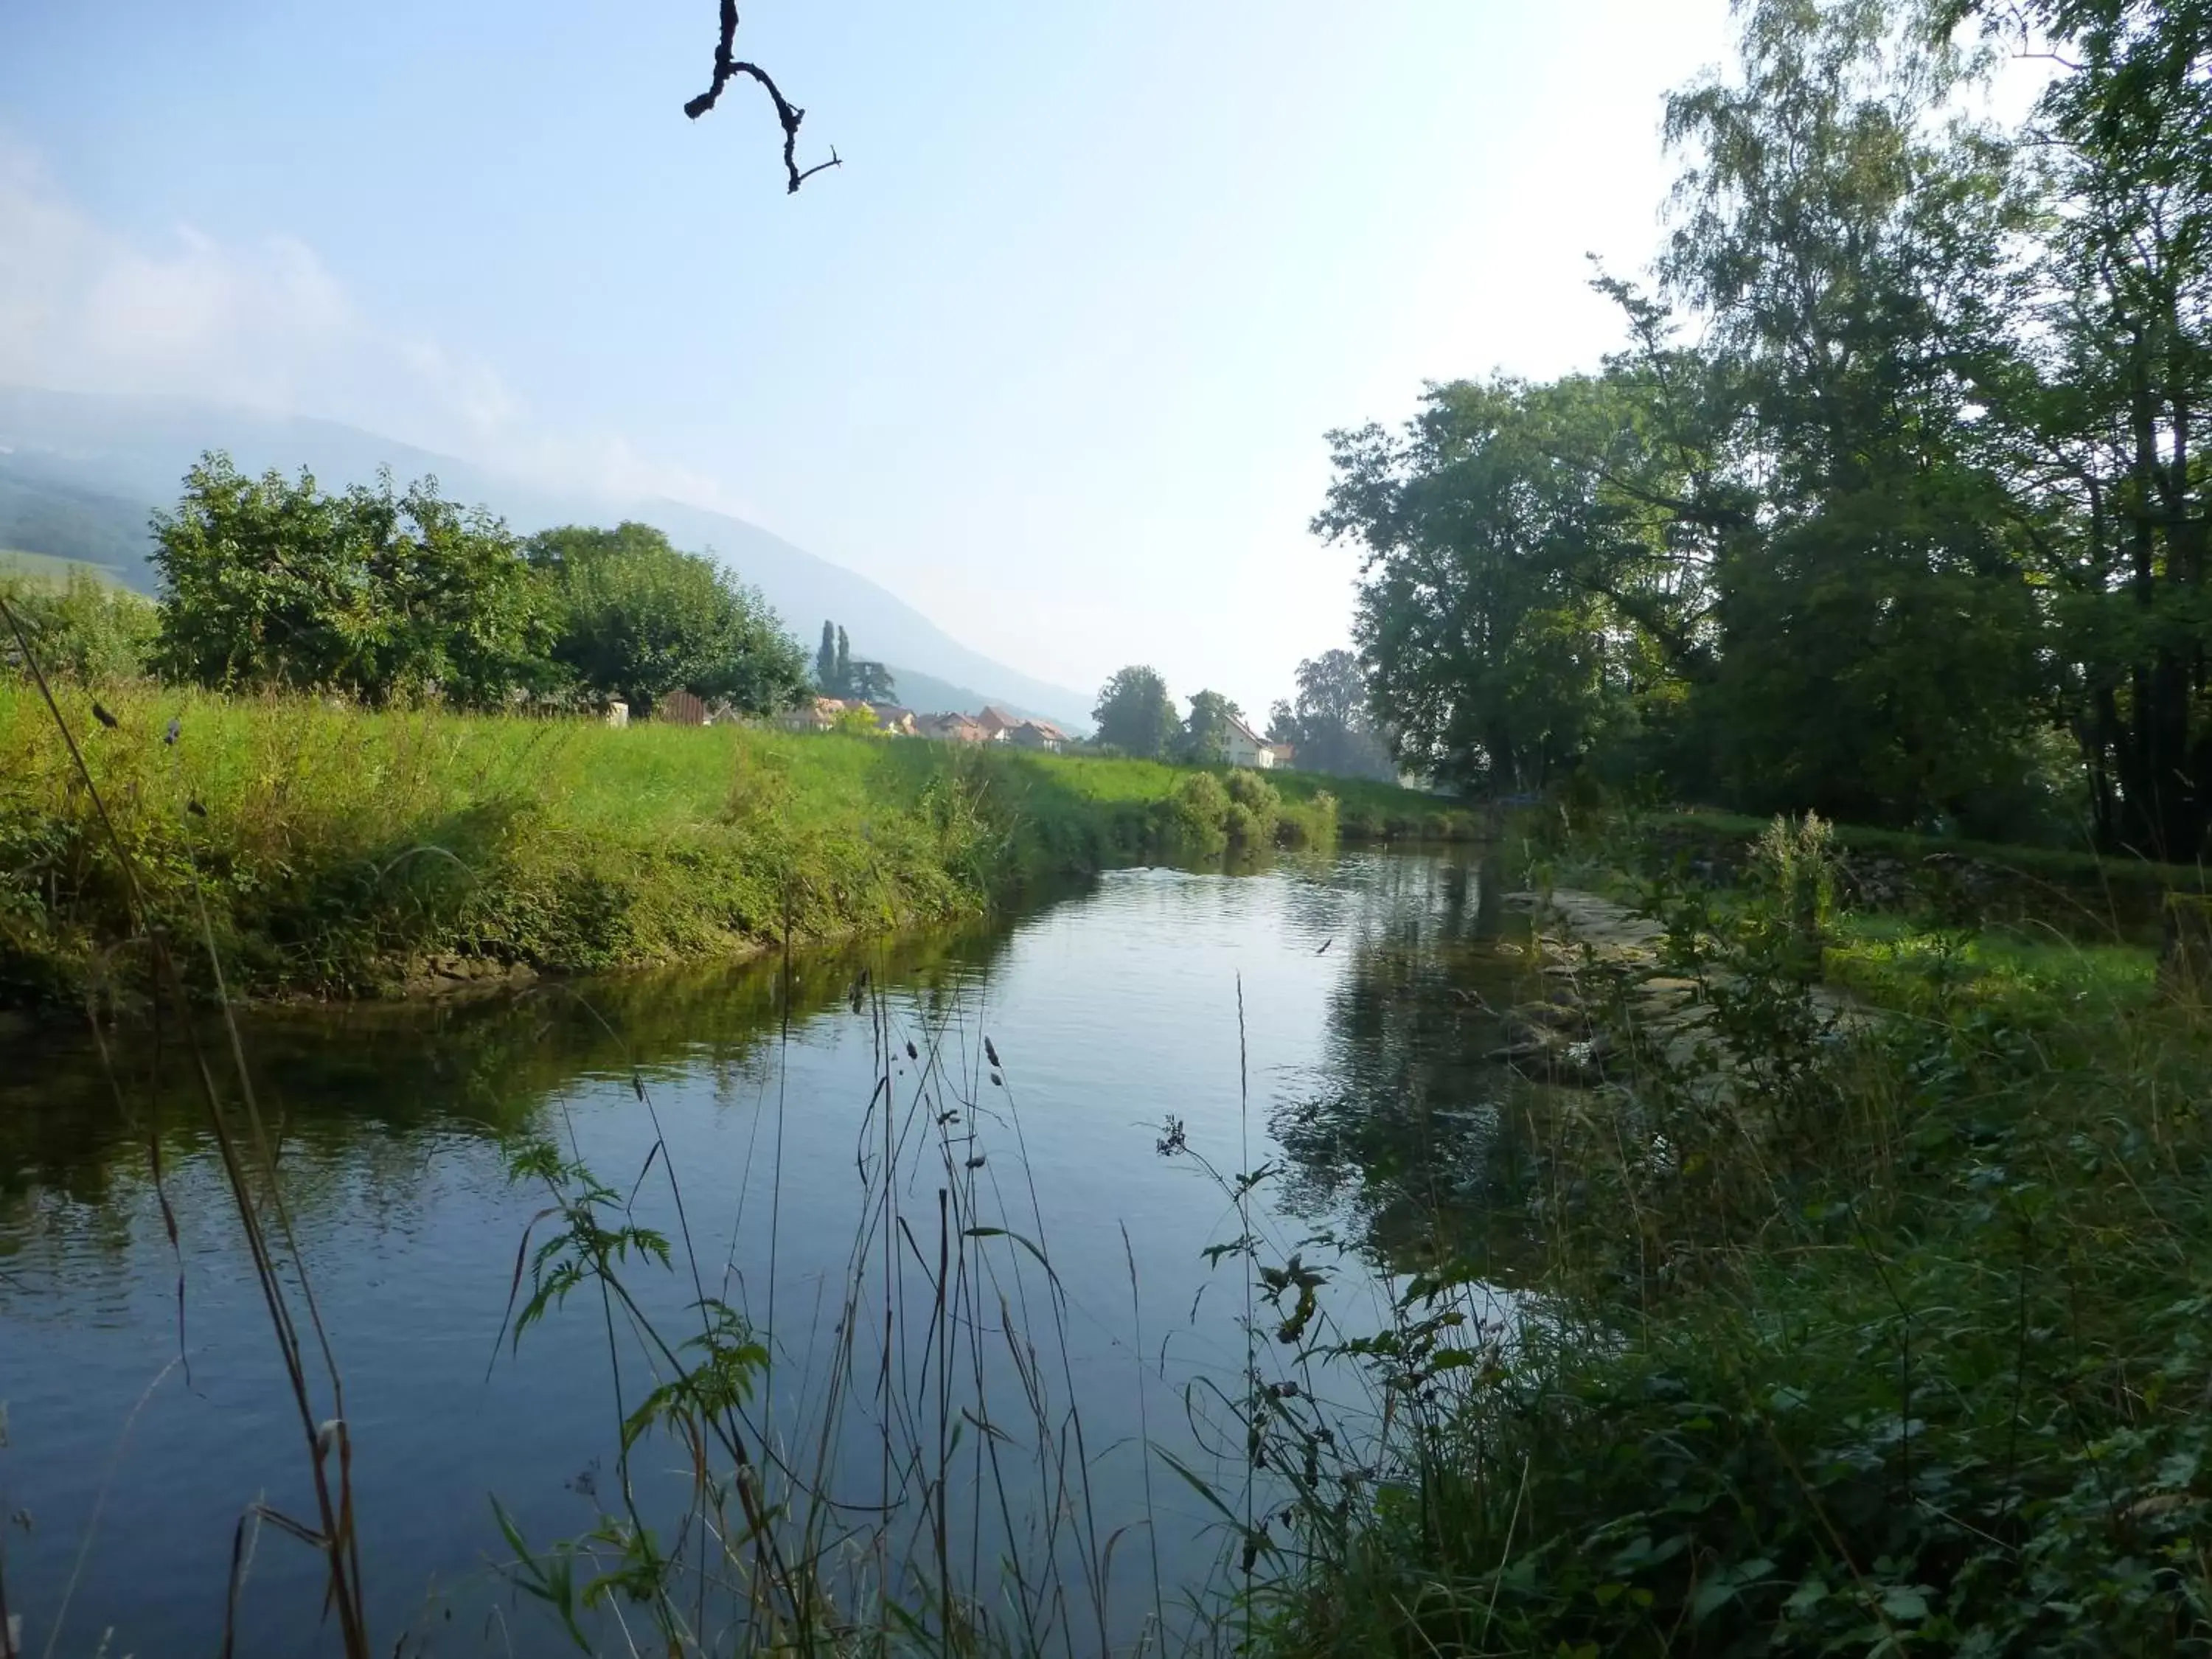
(1320, 1023)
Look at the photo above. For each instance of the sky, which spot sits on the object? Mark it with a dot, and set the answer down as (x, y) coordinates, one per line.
(1052, 355)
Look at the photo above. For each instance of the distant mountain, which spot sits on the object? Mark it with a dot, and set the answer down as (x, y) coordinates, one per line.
(80, 474)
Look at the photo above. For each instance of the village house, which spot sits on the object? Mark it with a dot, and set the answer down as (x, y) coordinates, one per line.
(815, 714)
(954, 728)
(891, 719)
(996, 724)
(1037, 734)
(1248, 748)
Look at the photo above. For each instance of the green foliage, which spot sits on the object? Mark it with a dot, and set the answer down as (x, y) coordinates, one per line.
(86, 630)
(1494, 535)
(1205, 737)
(1823, 558)
(1135, 714)
(1899, 1351)
(838, 673)
(637, 619)
(1328, 726)
(373, 593)
(1194, 817)
(339, 851)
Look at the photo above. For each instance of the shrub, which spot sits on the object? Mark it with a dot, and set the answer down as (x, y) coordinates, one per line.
(1194, 818)
(1310, 823)
(85, 631)
(1255, 807)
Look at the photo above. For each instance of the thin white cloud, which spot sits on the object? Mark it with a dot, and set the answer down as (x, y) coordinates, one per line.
(268, 325)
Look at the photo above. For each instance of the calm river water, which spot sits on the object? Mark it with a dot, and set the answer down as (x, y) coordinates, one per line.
(810, 1151)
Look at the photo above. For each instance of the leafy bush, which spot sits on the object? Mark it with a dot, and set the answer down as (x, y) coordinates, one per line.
(636, 619)
(1255, 809)
(1894, 1347)
(85, 631)
(378, 595)
(1193, 819)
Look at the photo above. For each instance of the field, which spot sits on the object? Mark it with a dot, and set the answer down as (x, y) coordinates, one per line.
(44, 569)
(328, 851)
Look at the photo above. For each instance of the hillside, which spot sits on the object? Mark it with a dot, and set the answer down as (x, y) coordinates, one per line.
(16, 564)
(81, 473)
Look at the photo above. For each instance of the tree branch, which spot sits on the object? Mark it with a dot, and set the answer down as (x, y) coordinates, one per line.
(788, 114)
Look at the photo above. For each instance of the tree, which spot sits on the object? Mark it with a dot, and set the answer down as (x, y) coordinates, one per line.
(1205, 738)
(870, 681)
(1496, 542)
(1135, 714)
(844, 666)
(1787, 566)
(825, 661)
(372, 593)
(2105, 400)
(1847, 242)
(639, 619)
(1329, 727)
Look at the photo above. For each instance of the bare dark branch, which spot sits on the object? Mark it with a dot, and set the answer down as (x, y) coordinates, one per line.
(727, 65)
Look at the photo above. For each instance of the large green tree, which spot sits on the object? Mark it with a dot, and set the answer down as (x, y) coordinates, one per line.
(2102, 410)
(638, 619)
(373, 591)
(1788, 564)
(1135, 714)
(1328, 726)
(1501, 557)
(1205, 735)
(1847, 245)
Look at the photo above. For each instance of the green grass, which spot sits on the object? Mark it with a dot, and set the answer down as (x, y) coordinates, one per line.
(48, 570)
(1913, 966)
(339, 851)
(2076, 888)
(1903, 1351)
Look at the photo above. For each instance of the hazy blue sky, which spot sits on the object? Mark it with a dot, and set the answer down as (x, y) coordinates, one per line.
(1052, 356)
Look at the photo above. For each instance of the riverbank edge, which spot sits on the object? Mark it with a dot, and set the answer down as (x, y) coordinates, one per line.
(1719, 1259)
(323, 853)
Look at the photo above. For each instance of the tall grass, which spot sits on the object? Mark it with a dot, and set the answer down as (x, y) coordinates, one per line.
(342, 852)
(1897, 1346)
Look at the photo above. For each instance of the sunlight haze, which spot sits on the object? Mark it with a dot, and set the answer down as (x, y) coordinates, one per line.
(1051, 355)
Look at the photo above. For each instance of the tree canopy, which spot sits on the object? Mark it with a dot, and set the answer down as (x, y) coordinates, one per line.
(373, 591)
(1136, 715)
(638, 619)
(839, 673)
(1886, 506)
(1329, 727)
(1205, 735)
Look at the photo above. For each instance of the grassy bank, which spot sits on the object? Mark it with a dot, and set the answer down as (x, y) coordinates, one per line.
(1904, 1350)
(2075, 891)
(329, 851)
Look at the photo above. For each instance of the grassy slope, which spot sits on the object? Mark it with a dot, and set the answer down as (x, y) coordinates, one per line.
(337, 851)
(1909, 1357)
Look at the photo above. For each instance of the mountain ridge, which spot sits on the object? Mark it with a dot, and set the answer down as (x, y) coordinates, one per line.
(82, 472)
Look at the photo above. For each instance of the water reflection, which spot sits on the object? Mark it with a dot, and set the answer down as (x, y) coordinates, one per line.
(1397, 1130)
(1335, 1011)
